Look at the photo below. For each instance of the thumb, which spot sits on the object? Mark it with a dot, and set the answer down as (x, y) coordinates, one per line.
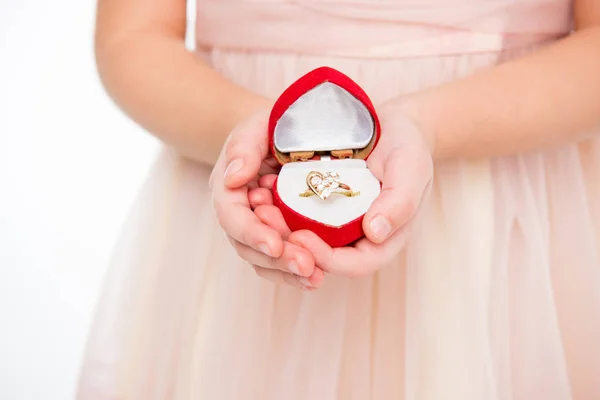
(245, 150)
(407, 171)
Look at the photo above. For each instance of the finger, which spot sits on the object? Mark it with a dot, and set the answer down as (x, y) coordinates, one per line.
(260, 196)
(406, 172)
(245, 151)
(252, 184)
(280, 277)
(317, 278)
(272, 275)
(294, 260)
(269, 166)
(267, 181)
(272, 217)
(321, 251)
(354, 262)
(238, 221)
(272, 162)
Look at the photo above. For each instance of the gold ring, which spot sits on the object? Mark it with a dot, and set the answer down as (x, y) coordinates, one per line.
(324, 185)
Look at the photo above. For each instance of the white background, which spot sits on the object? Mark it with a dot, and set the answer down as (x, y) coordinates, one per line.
(70, 167)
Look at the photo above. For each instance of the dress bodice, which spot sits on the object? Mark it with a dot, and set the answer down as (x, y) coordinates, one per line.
(380, 28)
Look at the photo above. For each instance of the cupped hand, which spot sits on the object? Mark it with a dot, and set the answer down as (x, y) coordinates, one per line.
(402, 161)
(243, 160)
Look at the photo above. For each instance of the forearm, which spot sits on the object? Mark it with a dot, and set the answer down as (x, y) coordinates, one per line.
(546, 99)
(174, 94)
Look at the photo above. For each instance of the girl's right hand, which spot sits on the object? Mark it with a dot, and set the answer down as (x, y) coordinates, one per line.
(258, 235)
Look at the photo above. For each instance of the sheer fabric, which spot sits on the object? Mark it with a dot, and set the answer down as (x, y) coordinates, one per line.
(496, 297)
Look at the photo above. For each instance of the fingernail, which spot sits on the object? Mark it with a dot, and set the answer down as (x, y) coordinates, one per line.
(380, 227)
(234, 167)
(263, 248)
(304, 282)
(293, 267)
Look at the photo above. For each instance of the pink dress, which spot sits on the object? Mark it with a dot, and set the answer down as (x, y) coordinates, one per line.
(497, 296)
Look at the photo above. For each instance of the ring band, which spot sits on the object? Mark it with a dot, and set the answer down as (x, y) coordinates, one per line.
(347, 193)
(324, 185)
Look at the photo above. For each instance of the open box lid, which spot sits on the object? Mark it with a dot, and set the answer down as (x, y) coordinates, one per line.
(323, 113)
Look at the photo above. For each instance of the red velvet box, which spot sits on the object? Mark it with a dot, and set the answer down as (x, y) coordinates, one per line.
(324, 122)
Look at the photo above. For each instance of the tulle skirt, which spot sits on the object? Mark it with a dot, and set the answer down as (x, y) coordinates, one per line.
(496, 297)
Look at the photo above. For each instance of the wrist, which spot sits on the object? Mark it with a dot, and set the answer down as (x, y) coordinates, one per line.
(415, 110)
(249, 105)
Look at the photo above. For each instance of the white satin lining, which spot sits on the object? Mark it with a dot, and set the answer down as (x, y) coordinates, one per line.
(325, 118)
(336, 210)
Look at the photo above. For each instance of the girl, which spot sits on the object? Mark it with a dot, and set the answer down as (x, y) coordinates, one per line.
(479, 277)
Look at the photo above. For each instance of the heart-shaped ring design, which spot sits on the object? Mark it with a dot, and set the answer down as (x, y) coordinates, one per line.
(324, 185)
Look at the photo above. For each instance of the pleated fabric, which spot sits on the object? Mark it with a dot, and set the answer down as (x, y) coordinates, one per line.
(495, 297)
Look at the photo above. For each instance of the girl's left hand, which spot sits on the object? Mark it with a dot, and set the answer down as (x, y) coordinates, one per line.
(403, 163)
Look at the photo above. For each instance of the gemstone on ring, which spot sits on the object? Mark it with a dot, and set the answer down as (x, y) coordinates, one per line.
(325, 184)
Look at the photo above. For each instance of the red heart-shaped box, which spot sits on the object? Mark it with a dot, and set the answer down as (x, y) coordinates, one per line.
(324, 122)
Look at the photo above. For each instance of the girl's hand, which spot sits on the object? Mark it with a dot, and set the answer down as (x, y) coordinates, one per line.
(403, 163)
(243, 160)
